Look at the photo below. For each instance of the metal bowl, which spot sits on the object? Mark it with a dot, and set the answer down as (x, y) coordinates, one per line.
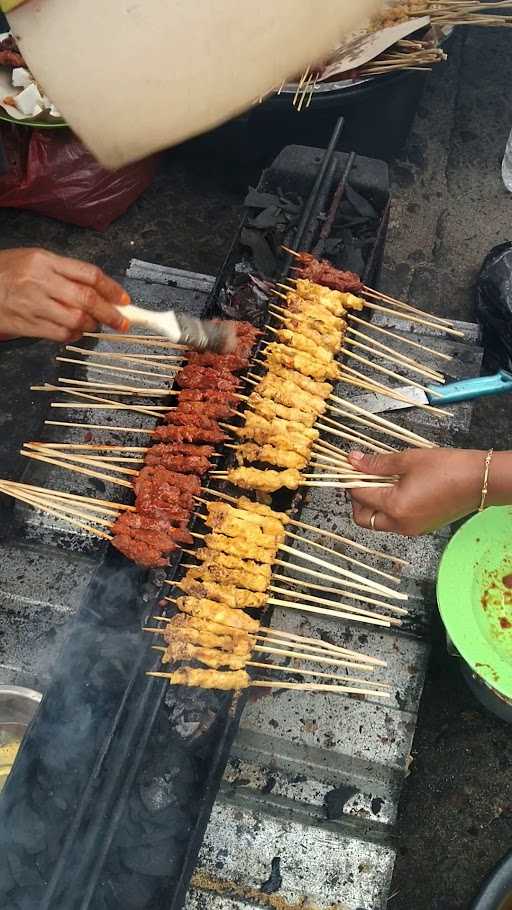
(17, 708)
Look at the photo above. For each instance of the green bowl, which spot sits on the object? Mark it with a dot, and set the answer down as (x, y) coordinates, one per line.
(474, 593)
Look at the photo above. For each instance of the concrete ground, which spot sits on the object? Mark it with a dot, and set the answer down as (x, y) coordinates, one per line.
(450, 208)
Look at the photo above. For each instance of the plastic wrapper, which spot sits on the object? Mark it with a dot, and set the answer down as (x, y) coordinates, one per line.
(51, 173)
(494, 305)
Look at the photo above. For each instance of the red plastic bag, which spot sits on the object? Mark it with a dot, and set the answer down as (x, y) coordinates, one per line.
(50, 172)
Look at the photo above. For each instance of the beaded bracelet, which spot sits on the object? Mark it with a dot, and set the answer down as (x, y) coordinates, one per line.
(488, 459)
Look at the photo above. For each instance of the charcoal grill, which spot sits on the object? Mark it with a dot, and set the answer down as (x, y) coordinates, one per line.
(112, 791)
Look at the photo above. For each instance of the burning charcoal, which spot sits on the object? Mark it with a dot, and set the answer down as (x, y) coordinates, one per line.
(26, 828)
(129, 891)
(30, 899)
(161, 860)
(275, 880)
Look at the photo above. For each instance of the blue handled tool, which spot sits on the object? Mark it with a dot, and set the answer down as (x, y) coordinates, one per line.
(451, 393)
(468, 389)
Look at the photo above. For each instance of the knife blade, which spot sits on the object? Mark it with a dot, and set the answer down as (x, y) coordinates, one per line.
(451, 393)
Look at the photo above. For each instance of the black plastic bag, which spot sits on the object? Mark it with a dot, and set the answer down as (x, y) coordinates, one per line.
(494, 305)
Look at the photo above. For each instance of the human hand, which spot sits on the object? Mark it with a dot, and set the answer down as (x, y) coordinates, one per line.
(435, 487)
(43, 295)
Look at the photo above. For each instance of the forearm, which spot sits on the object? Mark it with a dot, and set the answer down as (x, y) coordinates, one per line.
(499, 491)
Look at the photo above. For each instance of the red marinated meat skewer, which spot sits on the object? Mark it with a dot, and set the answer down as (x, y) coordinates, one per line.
(183, 464)
(207, 395)
(194, 377)
(165, 488)
(322, 272)
(199, 420)
(189, 434)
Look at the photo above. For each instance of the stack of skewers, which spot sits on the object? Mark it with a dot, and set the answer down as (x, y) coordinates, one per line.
(212, 629)
(285, 414)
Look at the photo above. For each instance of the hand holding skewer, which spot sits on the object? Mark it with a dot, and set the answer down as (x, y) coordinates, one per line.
(435, 487)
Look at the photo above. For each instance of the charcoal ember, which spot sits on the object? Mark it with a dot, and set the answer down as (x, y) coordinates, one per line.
(26, 828)
(131, 892)
(263, 255)
(160, 859)
(78, 731)
(193, 715)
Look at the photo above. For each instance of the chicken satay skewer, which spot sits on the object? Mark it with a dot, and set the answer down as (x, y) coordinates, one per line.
(379, 426)
(294, 339)
(243, 681)
(352, 579)
(348, 680)
(345, 405)
(299, 641)
(321, 531)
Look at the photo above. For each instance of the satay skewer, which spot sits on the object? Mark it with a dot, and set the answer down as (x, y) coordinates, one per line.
(92, 502)
(112, 388)
(136, 339)
(151, 412)
(321, 531)
(111, 427)
(79, 459)
(118, 371)
(162, 361)
(270, 684)
(76, 469)
(304, 642)
(51, 510)
(288, 669)
(351, 579)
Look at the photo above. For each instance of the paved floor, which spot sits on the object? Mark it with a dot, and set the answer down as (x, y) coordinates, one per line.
(449, 209)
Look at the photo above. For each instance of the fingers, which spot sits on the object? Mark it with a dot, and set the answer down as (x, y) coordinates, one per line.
(363, 517)
(372, 499)
(92, 291)
(385, 465)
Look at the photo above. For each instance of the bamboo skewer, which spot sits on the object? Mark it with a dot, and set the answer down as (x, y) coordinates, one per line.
(94, 398)
(377, 418)
(81, 459)
(379, 425)
(94, 367)
(301, 672)
(355, 378)
(368, 324)
(406, 316)
(76, 469)
(91, 501)
(112, 428)
(322, 532)
(166, 362)
(388, 353)
(352, 435)
(380, 369)
(355, 612)
(51, 510)
(41, 502)
(111, 388)
(302, 687)
(136, 339)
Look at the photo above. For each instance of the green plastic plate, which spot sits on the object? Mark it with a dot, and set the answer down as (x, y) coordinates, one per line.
(474, 593)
